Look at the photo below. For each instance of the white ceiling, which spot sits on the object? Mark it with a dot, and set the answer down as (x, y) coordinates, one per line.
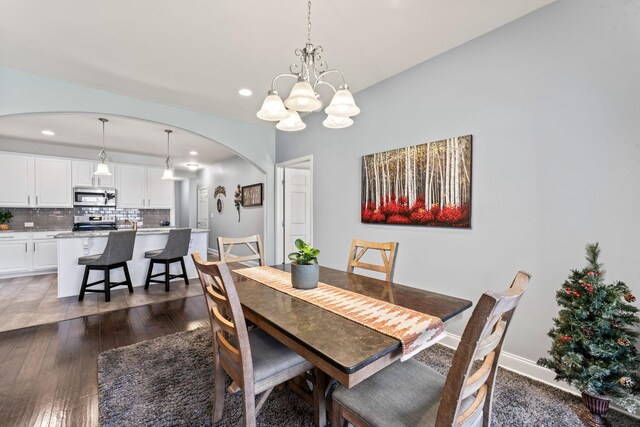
(198, 53)
(122, 135)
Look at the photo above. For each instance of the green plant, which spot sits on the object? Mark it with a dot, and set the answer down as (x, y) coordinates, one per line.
(306, 254)
(593, 344)
(5, 216)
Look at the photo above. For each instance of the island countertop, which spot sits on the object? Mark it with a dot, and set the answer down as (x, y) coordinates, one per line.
(102, 233)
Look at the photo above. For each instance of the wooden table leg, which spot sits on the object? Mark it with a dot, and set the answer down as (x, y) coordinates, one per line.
(319, 401)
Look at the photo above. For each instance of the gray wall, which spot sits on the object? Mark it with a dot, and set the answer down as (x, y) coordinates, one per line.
(187, 202)
(553, 103)
(229, 173)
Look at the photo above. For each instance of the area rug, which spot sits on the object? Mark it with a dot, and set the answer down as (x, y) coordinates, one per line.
(168, 382)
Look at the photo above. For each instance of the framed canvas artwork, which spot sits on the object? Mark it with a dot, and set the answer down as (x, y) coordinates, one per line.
(252, 195)
(425, 185)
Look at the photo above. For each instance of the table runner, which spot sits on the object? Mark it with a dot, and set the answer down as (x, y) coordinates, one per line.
(415, 331)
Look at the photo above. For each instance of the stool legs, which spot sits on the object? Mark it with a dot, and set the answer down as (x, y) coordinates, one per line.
(107, 285)
(184, 272)
(166, 275)
(146, 282)
(128, 278)
(84, 283)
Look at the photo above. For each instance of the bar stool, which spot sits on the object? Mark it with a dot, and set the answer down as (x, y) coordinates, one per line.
(177, 247)
(118, 251)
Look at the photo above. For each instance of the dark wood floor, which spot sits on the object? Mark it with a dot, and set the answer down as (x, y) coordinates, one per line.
(48, 373)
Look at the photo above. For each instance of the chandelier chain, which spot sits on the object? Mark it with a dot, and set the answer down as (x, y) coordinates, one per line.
(309, 22)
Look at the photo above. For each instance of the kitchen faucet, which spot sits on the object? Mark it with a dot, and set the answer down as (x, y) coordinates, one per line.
(133, 222)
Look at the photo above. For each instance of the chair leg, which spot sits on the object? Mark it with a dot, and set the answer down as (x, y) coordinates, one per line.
(319, 401)
(146, 283)
(166, 275)
(218, 390)
(336, 416)
(127, 277)
(184, 272)
(83, 288)
(107, 285)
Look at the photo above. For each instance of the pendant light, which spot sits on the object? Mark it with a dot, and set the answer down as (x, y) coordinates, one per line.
(102, 169)
(168, 173)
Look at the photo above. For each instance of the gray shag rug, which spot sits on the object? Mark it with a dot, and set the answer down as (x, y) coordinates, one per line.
(168, 381)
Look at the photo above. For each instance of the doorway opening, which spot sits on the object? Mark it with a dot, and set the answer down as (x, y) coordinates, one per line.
(294, 205)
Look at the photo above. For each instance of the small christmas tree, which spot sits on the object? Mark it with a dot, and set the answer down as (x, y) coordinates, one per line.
(593, 341)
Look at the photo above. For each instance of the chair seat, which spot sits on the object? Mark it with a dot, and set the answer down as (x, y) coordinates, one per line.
(270, 357)
(153, 254)
(89, 259)
(403, 394)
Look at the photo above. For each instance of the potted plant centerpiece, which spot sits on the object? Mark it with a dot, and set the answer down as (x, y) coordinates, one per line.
(5, 217)
(305, 269)
(593, 344)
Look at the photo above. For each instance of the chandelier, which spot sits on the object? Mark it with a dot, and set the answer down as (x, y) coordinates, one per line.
(310, 73)
(102, 168)
(168, 172)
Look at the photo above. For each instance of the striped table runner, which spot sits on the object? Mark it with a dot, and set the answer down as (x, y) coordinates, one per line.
(415, 331)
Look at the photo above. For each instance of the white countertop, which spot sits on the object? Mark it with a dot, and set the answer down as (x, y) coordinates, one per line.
(141, 232)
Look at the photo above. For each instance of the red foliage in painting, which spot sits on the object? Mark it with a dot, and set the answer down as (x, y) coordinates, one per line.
(398, 211)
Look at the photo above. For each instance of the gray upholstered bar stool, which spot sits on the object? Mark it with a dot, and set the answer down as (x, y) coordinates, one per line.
(177, 247)
(118, 251)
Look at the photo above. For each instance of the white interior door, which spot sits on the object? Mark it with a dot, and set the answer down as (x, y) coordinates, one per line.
(297, 208)
(203, 208)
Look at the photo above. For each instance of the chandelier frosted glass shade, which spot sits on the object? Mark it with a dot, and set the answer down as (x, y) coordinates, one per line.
(337, 122)
(168, 174)
(102, 170)
(342, 104)
(291, 123)
(302, 98)
(272, 108)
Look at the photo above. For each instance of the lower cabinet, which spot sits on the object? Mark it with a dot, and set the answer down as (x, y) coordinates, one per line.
(27, 252)
(15, 254)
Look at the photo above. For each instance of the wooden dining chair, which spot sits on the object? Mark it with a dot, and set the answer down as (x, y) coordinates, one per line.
(255, 361)
(387, 252)
(412, 394)
(253, 243)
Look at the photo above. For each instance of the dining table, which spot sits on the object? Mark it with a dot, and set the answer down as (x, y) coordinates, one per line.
(339, 348)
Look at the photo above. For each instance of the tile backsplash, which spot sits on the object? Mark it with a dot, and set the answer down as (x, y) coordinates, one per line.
(62, 219)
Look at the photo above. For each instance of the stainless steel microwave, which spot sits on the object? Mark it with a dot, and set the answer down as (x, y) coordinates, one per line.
(94, 197)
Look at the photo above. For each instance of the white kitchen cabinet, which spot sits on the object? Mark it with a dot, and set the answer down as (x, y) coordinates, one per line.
(142, 188)
(160, 192)
(83, 175)
(17, 176)
(131, 183)
(15, 253)
(53, 183)
(45, 250)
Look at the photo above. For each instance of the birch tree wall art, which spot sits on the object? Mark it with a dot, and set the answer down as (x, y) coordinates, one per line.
(427, 184)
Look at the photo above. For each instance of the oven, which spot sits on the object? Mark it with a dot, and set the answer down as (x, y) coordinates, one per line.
(94, 197)
(94, 223)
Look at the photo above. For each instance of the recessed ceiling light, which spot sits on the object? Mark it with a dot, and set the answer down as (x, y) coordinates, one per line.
(48, 132)
(193, 166)
(245, 92)
(193, 153)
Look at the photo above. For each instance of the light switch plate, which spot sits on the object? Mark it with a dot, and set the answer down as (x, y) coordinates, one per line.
(28, 224)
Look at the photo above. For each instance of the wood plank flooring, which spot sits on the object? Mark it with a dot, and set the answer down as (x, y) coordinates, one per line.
(48, 373)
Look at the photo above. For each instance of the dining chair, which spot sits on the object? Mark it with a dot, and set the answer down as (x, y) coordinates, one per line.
(253, 243)
(387, 252)
(255, 361)
(412, 394)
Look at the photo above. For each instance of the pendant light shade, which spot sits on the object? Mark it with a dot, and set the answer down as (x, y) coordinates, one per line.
(168, 172)
(337, 122)
(302, 98)
(291, 123)
(342, 104)
(272, 108)
(102, 169)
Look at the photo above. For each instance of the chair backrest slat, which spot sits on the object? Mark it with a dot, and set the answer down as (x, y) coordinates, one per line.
(254, 243)
(228, 326)
(467, 394)
(387, 252)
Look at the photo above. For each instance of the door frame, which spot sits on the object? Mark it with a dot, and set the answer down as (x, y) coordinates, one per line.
(279, 187)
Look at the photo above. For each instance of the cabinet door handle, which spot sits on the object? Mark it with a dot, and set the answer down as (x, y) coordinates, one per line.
(28, 200)
(25, 246)
(36, 200)
(7, 237)
(34, 246)
(143, 202)
(93, 181)
(149, 204)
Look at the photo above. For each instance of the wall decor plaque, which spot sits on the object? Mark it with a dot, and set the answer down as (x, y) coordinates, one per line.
(252, 195)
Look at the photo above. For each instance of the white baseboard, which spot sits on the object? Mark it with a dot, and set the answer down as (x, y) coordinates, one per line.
(214, 252)
(528, 368)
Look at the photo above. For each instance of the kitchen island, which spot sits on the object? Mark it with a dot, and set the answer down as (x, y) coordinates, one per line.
(73, 245)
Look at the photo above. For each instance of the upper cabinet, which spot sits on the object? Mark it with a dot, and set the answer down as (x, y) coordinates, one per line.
(35, 181)
(17, 174)
(83, 175)
(160, 192)
(142, 188)
(53, 183)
